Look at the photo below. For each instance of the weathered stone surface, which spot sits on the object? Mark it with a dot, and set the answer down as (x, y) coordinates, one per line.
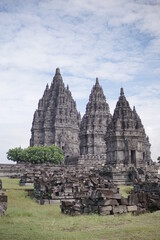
(126, 174)
(56, 121)
(105, 210)
(132, 208)
(80, 192)
(12, 170)
(126, 139)
(65, 183)
(124, 201)
(94, 123)
(3, 200)
(100, 198)
(119, 209)
(146, 196)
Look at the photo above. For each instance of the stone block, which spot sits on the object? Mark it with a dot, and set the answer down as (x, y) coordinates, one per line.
(132, 208)
(104, 213)
(3, 198)
(54, 201)
(67, 203)
(105, 210)
(124, 201)
(119, 209)
(111, 202)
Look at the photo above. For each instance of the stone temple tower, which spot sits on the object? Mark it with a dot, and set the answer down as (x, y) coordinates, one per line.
(94, 123)
(56, 121)
(126, 140)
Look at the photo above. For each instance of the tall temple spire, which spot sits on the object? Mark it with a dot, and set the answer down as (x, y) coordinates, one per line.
(56, 121)
(58, 71)
(122, 92)
(57, 79)
(126, 136)
(94, 123)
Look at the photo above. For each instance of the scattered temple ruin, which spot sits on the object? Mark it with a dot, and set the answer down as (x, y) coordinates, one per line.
(118, 140)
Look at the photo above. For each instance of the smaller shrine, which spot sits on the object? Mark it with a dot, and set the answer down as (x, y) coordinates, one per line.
(126, 140)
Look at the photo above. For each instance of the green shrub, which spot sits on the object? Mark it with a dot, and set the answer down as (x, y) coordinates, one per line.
(36, 154)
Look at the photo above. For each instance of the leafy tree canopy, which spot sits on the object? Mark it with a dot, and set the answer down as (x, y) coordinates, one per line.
(36, 154)
(158, 159)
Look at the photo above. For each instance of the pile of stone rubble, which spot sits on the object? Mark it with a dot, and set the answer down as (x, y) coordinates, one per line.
(27, 178)
(36, 170)
(58, 183)
(83, 191)
(102, 198)
(3, 201)
(146, 195)
(80, 192)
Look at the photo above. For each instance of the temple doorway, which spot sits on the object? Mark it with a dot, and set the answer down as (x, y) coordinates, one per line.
(133, 157)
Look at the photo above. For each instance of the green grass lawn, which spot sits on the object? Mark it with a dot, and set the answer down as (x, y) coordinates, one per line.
(26, 220)
(9, 183)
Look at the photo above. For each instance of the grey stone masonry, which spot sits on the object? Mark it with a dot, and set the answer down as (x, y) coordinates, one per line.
(99, 138)
(126, 139)
(56, 121)
(3, 201)
(94, 123)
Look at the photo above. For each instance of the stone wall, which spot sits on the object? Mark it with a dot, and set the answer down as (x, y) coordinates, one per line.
(126, 175)
(93, 160)
(119, 174)
(12, 170)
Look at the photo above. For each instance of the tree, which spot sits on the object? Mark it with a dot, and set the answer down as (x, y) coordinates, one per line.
(16, 154)
(158, 159)
(36, 154)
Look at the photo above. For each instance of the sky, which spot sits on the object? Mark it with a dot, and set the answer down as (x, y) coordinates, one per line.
(116, 41)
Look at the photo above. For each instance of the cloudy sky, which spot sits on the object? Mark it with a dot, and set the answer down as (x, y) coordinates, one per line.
(116, 41)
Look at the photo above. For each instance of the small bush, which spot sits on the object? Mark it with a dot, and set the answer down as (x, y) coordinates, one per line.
(36, 154)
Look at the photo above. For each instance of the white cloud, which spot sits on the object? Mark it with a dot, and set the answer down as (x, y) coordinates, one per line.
(117, 41)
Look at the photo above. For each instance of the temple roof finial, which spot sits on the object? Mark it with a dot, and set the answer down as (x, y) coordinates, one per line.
(58, 71)
(122, 92)
(97, 82)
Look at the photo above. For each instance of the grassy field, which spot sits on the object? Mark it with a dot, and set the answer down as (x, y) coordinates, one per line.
(26, 220)
(9, 184)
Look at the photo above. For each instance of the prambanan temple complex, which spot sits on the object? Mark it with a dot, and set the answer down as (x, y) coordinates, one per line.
(101, 152)
(97, 137)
